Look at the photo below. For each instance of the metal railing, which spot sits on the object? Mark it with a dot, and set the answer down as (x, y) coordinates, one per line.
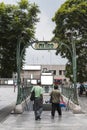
(69, 93)
(24, 92)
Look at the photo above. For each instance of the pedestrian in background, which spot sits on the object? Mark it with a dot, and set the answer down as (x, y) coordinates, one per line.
(81, 89)
(56, 97)
(38, 101)
(15, 86)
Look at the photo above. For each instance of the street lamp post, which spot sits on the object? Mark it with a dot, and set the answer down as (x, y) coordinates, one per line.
(73, 55)
(71, 36)
(74, 69)
(19, 61)
(18, 57)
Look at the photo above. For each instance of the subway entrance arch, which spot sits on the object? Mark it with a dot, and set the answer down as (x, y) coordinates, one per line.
(37, 45)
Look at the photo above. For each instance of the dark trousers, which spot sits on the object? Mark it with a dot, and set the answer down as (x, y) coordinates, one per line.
(38, 107)
(56, 106)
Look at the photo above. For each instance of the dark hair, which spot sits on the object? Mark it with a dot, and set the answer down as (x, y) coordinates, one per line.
(38, 82)
(55, 86)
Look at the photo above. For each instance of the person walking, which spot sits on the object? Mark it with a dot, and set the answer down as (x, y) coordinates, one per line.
(81, 89)
(56, 97)
(38, 101)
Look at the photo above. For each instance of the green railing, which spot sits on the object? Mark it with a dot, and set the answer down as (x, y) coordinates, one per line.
(69, 93)
(24, 93)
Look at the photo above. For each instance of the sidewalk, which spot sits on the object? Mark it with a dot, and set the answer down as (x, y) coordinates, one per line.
(7, 96)
(26, 121)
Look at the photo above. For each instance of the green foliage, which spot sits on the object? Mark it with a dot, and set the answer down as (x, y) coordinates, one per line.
(15, 19)
(72, 15)
(23, 4)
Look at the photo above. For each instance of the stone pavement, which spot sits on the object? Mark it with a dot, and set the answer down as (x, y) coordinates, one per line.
(26, 121)
(83, 103)
(7, 96)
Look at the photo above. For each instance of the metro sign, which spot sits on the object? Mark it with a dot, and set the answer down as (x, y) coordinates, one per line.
(45, 45)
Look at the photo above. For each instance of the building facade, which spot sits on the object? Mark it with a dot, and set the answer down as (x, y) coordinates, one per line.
(34, 71)
(57, 70)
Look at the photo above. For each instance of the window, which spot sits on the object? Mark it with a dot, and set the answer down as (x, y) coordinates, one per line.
(44, 70)
(64, 72)
(60, 72)
(53, 72)
(41, 46)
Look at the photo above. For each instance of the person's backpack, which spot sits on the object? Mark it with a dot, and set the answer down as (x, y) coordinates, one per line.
(32, 97)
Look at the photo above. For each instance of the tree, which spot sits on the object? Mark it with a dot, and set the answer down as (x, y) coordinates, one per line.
(72, 16)
(14, 20)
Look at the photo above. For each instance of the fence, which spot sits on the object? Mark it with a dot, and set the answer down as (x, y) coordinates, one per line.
(24, 92)
(69, 93)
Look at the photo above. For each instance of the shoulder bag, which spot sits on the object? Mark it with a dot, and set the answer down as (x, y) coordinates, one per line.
(32, 96)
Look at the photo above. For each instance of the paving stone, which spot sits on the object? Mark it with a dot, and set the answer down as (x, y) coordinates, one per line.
(25, 121)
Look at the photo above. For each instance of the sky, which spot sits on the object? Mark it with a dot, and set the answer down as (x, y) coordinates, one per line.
(44, 31)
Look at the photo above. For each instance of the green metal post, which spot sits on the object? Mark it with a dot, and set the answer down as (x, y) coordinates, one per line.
(74, 69)
(18, 71)
(73, 55)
